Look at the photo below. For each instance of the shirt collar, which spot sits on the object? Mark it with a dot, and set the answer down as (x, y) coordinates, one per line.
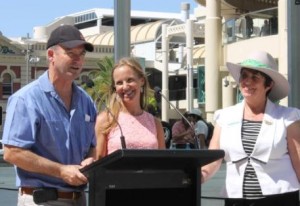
(47, 86)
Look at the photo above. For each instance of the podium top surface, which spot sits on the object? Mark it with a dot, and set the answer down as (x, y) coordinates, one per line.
(138, 159)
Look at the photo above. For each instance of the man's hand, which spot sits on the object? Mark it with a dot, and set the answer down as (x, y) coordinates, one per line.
(72, 175)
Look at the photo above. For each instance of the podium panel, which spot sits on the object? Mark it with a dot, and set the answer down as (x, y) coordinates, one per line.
(148, 177)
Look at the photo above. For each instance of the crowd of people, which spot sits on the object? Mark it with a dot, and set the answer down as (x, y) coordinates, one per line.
(53, 129)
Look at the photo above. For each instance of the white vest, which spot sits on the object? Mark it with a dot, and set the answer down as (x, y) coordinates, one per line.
(269, 158)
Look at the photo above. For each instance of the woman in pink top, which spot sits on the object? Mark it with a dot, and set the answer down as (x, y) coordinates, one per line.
(128, 95)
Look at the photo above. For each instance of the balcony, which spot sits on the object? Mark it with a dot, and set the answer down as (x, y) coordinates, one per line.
(240, 37)
(251, 25)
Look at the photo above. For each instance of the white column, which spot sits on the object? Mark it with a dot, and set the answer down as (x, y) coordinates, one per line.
(165, 73)
(228, 92)
(180, 53)
(212, 58)
(283, 39)
(189, 60)
(185, 11)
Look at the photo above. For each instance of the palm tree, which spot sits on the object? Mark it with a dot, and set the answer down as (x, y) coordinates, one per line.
(101, 80)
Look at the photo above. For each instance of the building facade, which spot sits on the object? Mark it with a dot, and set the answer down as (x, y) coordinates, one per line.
(183, 54)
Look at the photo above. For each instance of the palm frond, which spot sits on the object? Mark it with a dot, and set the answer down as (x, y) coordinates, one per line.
(102, 81)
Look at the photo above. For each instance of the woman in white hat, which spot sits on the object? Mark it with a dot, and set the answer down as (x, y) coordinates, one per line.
(261, 139)
(200, 127)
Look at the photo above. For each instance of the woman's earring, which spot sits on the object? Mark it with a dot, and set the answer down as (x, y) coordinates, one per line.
(142, 89)
(117, 97)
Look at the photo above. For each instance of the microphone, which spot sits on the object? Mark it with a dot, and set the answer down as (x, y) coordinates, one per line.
(157, 91)
(90, 84)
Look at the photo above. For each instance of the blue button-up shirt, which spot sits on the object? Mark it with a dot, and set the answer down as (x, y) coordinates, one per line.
(38, 120)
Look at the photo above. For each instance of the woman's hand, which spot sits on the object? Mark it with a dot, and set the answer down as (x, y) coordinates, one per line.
(87, 161)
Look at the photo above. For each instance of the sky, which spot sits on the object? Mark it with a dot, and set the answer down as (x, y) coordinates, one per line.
(18, 17)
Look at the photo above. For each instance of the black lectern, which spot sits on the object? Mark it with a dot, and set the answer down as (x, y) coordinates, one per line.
(148, 177)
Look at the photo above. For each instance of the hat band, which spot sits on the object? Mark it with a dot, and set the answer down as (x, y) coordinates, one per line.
(254, 63)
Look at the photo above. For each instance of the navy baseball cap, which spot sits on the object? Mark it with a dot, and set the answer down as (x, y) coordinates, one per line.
(69, 37)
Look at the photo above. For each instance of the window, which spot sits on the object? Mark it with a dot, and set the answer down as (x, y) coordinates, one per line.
(201, 84)
(7, 87)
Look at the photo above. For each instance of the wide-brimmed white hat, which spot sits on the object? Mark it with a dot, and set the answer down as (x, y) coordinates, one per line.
(196, 112)
(263, 62)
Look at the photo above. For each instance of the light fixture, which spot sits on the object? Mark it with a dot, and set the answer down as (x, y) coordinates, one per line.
(225, 82)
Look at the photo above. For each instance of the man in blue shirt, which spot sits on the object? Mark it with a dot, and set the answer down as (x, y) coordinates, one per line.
(49, 128)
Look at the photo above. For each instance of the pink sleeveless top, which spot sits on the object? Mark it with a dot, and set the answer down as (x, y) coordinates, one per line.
(139, 132)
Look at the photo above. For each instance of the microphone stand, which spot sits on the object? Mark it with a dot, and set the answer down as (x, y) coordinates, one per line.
(122, 138)
(197, 143)
(90, 84)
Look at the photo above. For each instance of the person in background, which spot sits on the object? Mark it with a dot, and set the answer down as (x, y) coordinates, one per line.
(249, 26)
(127, 104)
(49, 128)
(265, 29)
(167, 128)
(182, 134)
(261, 138)
(200, 127)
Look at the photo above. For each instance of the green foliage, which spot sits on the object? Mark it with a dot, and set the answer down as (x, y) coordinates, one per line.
(102, 81)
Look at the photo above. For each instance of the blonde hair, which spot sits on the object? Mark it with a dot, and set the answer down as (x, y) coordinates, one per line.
(115, 105)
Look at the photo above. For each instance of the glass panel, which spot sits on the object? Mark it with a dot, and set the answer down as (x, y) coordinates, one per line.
(239, 96)
(201, 84)
(251, 25)
(177, 87)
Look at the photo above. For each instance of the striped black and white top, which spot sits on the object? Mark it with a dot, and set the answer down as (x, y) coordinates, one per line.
(251, 187)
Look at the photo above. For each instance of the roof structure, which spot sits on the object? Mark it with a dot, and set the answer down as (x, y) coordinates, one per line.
(139, 33)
